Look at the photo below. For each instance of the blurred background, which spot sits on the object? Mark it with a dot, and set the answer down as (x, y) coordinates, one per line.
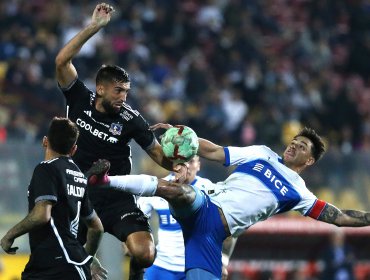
(239, 72)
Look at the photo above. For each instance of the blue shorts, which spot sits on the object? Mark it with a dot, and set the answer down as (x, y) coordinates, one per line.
(158, 273)
(204, 234)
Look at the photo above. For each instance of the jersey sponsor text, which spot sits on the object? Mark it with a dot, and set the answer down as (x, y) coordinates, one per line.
(93, 131)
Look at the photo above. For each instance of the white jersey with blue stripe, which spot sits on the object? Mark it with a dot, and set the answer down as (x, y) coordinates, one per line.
(259, 187)
(170, 246)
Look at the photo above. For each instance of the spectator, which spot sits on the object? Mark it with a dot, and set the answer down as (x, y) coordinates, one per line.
(338, 258)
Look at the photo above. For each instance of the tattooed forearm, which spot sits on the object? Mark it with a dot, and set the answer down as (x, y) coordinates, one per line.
(360, 218)
(330, 214)
(348, 218)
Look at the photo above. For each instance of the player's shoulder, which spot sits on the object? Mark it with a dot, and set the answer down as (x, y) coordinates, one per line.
(265, 151)
(48, 163)
(59, 164)
(46, 167)
(259, 151)
(203, 181)
(129, 113)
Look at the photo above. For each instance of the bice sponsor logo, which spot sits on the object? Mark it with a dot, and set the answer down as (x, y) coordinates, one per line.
(271, 178)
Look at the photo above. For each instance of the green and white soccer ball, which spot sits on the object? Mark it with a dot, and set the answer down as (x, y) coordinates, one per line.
(180, 143)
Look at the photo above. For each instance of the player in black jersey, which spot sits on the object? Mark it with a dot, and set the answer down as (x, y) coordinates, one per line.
(57, 199)
(107, 124)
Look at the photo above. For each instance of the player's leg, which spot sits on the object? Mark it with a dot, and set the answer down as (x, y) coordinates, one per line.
(131, 226)
(176, 194)
(142, 251)
(204, 232)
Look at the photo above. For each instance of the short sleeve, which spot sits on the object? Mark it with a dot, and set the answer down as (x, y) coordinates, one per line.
(86, 207)
(77, 92)
(308, 199)
(143, 135)
(44, 184)
(240, 155)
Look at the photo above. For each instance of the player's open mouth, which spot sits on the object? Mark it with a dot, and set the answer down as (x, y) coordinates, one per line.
(289, 153)
(117, 105)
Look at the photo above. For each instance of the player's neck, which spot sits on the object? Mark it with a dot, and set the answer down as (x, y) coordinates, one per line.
(50, 154)
(296, 168)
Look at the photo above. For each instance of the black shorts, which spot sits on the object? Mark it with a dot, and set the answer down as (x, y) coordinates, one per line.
(120, 221)
(58, 272)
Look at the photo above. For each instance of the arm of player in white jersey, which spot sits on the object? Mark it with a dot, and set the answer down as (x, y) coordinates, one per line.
(330, 214)
(227, 249)
(211, 151)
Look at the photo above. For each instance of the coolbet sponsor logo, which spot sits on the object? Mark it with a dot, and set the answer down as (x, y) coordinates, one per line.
(93, 131)
(112, 139)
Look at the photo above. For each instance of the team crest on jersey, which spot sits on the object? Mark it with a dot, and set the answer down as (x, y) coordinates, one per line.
(115, 128)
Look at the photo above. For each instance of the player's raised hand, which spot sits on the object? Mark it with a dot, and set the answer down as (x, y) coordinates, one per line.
(102, 14)
(160, 125)
(181, 172)
(6, 244)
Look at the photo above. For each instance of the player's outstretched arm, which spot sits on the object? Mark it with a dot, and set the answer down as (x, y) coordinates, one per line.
(211, 151)
(65, 71)
(344, 218)
(39, 215)
(156, 153)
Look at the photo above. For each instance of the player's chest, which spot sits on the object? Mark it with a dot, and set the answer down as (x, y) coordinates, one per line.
(105, 130)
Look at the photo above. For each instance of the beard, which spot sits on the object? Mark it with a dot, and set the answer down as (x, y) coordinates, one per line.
(109, 108)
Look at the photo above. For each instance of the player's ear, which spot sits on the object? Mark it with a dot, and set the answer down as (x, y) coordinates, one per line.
(310, 161)
(73, 150)
(44, 141)
(99, 90)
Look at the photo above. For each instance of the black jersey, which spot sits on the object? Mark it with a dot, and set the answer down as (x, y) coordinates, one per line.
(105, 136)
(61, 181)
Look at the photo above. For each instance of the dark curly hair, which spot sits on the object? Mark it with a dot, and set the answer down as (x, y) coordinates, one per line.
(318, 147)
(62, 135)
(112, 73)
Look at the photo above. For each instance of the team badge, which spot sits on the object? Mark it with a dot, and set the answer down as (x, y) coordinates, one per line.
(115, 128)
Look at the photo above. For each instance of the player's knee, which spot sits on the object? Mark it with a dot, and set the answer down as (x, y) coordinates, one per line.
(144, 256)
(179, 195)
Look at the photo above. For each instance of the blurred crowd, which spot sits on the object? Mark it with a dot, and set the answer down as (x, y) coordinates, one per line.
(237, 71)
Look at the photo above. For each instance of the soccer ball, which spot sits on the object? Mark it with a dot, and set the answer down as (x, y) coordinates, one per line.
(180, 143)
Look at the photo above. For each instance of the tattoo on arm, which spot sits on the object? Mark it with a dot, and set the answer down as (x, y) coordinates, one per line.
(360, 218)
(329, 214)
(350, 218)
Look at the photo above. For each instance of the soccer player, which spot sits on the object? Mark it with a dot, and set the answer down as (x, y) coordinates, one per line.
(263, 184)
(107, 125)
(57, 199)
(169, 263)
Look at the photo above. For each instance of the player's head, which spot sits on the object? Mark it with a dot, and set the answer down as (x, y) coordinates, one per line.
(193, 168)
(305, 149)
(62, 136)
(112, 86)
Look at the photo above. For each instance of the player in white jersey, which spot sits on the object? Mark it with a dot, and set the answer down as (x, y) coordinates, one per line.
(262, 185)
(169, 263)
